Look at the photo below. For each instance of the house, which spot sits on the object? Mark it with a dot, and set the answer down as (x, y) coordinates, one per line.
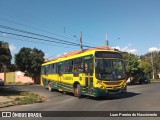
(17, 76)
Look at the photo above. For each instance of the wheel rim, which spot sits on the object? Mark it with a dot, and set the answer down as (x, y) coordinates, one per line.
(75, 91)
(49, 87)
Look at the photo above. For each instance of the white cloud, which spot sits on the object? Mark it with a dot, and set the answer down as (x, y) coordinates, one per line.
(13, 49)
(126, 49)
(132, 50)
(153, 49)
(65, 53)
(46, 56)
(117, 47)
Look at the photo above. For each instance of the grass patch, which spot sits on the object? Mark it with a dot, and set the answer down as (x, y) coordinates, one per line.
(15, 83)
(14, 97)
(28, 98)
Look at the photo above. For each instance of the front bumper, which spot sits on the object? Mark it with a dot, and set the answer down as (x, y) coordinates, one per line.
(105, 92)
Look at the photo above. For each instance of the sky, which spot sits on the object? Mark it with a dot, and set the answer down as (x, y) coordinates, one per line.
(131, 25)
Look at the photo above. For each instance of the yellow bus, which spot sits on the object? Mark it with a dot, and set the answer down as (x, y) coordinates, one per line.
(93, 72)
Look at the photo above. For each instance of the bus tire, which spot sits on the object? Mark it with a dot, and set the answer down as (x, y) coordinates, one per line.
(50, 87)
(78, 91)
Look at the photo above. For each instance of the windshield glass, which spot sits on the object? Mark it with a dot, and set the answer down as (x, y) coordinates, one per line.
(107, 69)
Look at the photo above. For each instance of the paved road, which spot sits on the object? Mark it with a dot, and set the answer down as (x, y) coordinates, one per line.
(138, 98)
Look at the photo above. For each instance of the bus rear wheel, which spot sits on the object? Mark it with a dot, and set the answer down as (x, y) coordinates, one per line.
(50, 87)
(78, 91)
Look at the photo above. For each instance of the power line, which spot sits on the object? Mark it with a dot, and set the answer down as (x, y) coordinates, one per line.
(23, 31)
(46, 40)
(39, 29)
(56, 40)
(34, 19)
(26, 40)
(28, 16)
(37, 38)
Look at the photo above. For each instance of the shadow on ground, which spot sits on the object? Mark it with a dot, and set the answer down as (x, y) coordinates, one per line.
(114, 97)
(9, 91)
(12, 90)
(108, 97)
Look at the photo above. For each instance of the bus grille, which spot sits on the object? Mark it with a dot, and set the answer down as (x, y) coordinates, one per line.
(113, 83)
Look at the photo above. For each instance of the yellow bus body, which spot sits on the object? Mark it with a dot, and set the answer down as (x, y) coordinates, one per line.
(90, 85)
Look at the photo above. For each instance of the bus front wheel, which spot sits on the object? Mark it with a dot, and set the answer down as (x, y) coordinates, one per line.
(78, 91)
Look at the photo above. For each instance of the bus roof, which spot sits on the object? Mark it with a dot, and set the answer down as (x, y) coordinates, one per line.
(73, 53)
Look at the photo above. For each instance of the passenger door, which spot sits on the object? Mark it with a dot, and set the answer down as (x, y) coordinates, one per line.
(60, 72)
(88, 70)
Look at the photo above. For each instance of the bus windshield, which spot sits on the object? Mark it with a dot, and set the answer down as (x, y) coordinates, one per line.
(110, 69)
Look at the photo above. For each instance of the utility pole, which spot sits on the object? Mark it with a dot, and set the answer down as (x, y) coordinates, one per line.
(152, 63)
(107, 43)
(81, 41)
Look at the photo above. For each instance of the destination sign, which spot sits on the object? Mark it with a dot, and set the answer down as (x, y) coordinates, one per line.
(105, 54)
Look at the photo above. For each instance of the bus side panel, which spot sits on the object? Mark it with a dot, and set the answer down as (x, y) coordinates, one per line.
(65, 82)
(53, 78)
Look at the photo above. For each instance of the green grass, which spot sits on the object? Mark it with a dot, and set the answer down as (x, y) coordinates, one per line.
(19, 97)
(28, 98)
(13, 83)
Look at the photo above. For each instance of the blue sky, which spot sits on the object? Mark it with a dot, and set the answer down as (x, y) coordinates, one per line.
(135, 22)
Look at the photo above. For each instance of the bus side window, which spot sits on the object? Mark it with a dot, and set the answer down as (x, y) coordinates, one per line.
(70, 66)
(43, 70)
(50, 69)
(55, 68)
(46, 69)
(60, 68)
(86, 68)
(66, 66)
(78, 67)
(91, 67)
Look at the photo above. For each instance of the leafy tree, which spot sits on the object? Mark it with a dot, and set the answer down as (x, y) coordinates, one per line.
(132, 67)
(29, 61)
(145, 67)
(132, 64)
(5, 56)
(155, 56)
(12, 68)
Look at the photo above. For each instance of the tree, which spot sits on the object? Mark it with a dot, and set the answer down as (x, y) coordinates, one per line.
(29, 61)
(132, 64)
(5, 56)
(145, 67)
(155, 58)
(132, 67)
